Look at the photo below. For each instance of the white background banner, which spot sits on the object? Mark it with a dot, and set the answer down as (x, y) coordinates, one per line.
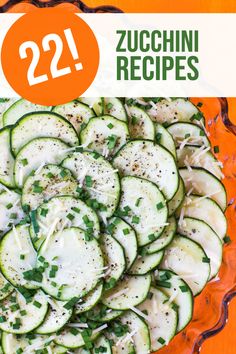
(217, 54)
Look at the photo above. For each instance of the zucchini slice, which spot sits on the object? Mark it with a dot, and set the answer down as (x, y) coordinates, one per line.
(114, 107)
(143, 206)
(50, 181)
(165, 238)
(144, 158)
(129, 292)
(187, 259)
(121, 344)
(139, 330)
(201, 233)
(114, 259)
(5, 103)
(42, 125)
(76, 113)
(179, 294)
(70, 211)
(201, 182)
(71, 337)
(5, 287)
(11, 212)
(168, 111)
(188, 133)
(18, 257)
(164, 138)
(126, 236)
(207, 210)
(177, 199)
(13, 344)
(22, 316)
(102, 344)
(199, 157)
(37, 153)
(57, 316)
(105, 135)
(146, 263)
(95, 103)
(140, 124)
(162, 319)
(102, 185)
(68, 252)
(19, 108)
(90, 300)
(6, 160)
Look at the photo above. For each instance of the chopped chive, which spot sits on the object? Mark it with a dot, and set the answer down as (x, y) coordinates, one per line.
(202, 133)
(95, 155)
(150, 295)
(37, 304)
(79, 149)
(37, 189)
(63, 173)
(161, 340)
(26, 208)
(135, 220)
(71, 303)
(199, 104)
(183, 288)
(33, 274)
(216, 149)
(44, 212)
(152, 237)
(175, 307)
(205, 260)
(227, 239)
(110, 284)
(112, 141)
(165, 276)
(88, 181)
(130, 101)
(14, 307)
(160, 206)
(110, 125)
(163, 284)
(54, 284)
(100, 349)
(50, 175)
(198, 116)
(9, 206)
(187, 136)
(70, 216)
(19, 351)
(41, 259)
(158, 137)
(76, 210)
(13, 216)
(74, 331)
(137, 203)
(24, 162)
(126, 231)
(134, 120)
(109, 106)
(34, 221)
(23, 312)
(22, 256)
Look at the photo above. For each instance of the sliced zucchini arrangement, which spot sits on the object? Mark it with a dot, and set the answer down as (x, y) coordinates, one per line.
(111, 221)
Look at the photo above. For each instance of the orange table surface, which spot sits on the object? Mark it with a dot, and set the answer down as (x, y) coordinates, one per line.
(225, 341)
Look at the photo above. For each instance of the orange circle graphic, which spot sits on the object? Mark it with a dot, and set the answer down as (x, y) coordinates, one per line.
(50, 56)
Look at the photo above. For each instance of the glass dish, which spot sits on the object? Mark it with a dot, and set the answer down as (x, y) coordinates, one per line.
(211, 306)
